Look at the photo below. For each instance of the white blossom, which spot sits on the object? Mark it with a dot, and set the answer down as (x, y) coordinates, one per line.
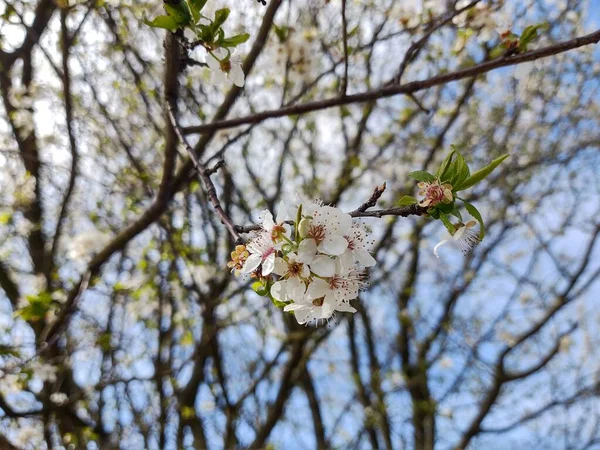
(60, 398)
(225, 69)
(357, 248)
(322, 298)
(84, 245)
(465, 236)
(262, 251)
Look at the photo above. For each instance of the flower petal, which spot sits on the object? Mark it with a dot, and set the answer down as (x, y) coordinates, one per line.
(437, 246)
(317, 289)
(281, 267)
(237, 76)
(213, 63)
(364, 257)
(278, 291)
(323, 266)
(346, 261)
(268, 265)
(334, 245)
(252, 263)
(307, 250)
(266, 218)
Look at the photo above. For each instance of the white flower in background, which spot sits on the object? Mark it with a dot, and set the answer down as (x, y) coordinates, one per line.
(60, 398)
(293, 273)
(465, 236)
(23, 122)
(84, 245)
(20, 97)
(204, 273)
(225, 70)
(357, 248)
(262, 251)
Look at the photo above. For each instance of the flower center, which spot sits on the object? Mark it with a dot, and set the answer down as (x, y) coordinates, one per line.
(335, 282)
(350, 242)
(435, 193)
(318, 301)
(226, 66)
(295, 269)
(317, 232)
(277, 232)
(268, 252)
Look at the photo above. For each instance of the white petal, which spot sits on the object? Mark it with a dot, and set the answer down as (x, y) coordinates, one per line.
(294, 306)
(218, 77)
(295, 289)
(305, 271)
(323, 266)
(345, 223)
(334, 244)
(282, 214)
(317, 289)
(213, 63)
(237, 76)
(458, 234)
(252, 263)
(189, 35)
(220, 52)
(307, 250)
(326, 311)
(346, 261)
(280, 267)
(278, 291)
(266, 218)
(345, 307)
(268, 265)
(437, 246)
(364, 257)
(303, 315)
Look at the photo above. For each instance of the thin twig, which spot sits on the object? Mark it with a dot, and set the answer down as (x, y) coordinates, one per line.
(205, 173)
(345, 43)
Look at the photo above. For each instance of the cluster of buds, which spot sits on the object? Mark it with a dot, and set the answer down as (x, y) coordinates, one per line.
(312, 266)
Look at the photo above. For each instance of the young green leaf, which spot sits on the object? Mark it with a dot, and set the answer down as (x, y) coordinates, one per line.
(179, 12)
(221, 16)
(421, 175)
(444, 218)
(407, 200)
(475, 213)
(442, 173)
(195, 8)
(166, 22)
(234, 41)
(459, 169)
(481, 174)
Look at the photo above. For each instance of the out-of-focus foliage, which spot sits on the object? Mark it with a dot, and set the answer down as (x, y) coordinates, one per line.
(121, 326)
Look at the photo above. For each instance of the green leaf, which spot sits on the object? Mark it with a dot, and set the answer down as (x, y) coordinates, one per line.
(480, 174)
(260, 288)
(234, 41)
(456, 213)
(442, 172)
(38, 306)
(530, 34)
(221, 16)
(195, 8)
(475, 213)
(179, 12)
(407, 200)
(421, 175)
(444, 218)
(459, 169)
(166, 22)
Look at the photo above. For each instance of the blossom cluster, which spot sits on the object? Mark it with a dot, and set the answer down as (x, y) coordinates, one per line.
(312, 266)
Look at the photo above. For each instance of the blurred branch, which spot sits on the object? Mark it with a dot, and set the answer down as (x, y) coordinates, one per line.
(391, 89)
